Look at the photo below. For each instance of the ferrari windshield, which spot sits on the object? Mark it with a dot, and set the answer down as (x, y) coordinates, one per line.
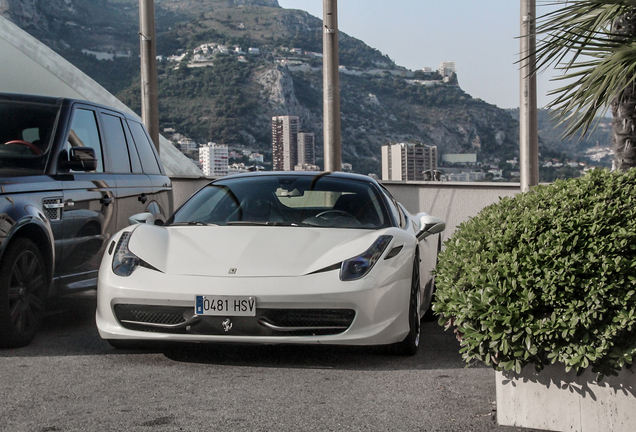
(26, 129)
(286, 200)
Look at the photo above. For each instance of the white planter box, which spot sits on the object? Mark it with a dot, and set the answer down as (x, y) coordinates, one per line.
(559, 401)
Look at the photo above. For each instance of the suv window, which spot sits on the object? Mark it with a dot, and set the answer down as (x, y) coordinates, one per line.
(26, 129)
(116, 144)
(144, 147)
(84, 133)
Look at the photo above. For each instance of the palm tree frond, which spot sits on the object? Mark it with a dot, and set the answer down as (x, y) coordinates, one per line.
(588, 41)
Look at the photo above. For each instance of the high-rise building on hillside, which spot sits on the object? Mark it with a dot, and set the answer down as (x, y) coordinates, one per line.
(407, 161)
(306, 148)
(214, 158)
(285, 142)
(447, 68)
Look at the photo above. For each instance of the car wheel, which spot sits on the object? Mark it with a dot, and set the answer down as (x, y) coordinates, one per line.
(410, 344)
(23, 291)
(430, 315)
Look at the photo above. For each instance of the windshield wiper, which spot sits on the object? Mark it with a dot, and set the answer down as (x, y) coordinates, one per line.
(267, 223)
(192, 223)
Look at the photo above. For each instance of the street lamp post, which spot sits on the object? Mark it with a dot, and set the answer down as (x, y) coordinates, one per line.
(331, 87)
(528, 124)
(149, 92)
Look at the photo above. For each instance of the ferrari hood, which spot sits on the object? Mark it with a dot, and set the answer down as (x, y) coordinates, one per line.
(247, 251)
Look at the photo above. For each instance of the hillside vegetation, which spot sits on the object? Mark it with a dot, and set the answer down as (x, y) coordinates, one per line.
(231, 100)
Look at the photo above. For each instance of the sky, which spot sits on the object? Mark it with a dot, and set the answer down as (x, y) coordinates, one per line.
(480, 36)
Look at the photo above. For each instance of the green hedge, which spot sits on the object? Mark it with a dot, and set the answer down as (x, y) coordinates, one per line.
(547, 276)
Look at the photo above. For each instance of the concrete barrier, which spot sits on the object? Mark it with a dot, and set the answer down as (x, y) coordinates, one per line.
(184, 187)
(561, 401)
(455, 202)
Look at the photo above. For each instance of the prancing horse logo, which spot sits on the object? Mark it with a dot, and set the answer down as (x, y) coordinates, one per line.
(227, 324)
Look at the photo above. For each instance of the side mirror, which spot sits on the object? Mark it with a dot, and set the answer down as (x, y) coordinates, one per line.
(429, 225)
(80, 159)
(141, 218)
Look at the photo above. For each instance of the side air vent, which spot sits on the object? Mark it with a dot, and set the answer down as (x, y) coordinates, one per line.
(53, 208)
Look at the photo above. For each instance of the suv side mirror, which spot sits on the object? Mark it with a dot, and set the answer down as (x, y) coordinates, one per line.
(80, 159)
(429, 225)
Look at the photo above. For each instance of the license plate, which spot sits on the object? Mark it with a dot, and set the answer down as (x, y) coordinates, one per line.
(225, 305)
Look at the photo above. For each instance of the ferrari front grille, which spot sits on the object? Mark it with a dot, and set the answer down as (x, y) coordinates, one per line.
(307, 322)
(267, 322)
(163, 319)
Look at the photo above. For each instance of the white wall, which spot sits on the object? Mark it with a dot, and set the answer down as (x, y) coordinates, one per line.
(455, 202)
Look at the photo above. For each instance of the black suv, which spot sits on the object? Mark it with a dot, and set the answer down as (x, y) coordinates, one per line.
(71, 173)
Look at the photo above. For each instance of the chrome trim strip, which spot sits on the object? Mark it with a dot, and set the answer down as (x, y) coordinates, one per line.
(186, 323)
(53, 206)
(278, 328)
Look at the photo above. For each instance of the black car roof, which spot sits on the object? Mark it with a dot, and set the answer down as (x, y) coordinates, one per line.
(50, 100)
(58, 101)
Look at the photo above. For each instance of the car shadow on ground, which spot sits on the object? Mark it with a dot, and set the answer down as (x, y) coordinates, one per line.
(438, 350)
(69, 330)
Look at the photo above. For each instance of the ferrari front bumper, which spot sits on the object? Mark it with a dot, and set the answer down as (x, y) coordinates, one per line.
(316, 308)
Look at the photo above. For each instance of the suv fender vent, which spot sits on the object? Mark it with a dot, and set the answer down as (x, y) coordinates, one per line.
(53, 208)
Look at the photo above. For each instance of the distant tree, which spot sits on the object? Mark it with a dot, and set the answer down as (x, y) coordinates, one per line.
(594, 43)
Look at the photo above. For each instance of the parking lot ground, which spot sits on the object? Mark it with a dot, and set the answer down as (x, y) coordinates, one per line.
(71, 380)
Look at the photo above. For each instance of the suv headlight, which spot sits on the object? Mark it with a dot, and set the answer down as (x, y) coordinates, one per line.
(359, 266)
(124, 261)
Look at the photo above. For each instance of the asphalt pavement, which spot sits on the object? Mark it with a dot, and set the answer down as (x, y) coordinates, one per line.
(69, 379)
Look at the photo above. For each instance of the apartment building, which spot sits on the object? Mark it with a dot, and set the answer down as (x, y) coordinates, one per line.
(285, 142)
(407, 161)
(447, 68)
(306, 148)
(214, 158)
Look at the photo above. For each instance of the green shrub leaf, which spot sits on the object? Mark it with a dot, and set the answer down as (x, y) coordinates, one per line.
(546, 276)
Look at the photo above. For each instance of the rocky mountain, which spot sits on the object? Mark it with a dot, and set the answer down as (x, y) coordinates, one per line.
(65, 24)
(552, 135)
(230, 97)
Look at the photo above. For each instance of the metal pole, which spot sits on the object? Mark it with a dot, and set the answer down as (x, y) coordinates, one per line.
(331, 87)
(149, 92)
(528, 124)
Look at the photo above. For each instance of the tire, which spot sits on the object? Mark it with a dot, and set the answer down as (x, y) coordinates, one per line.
(430, 315)
(410, 344)
(23, 291)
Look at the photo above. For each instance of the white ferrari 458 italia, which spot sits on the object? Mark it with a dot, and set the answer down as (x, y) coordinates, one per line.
(278, 257)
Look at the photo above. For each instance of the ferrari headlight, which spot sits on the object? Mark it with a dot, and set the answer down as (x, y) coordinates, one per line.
(358, 267)
(124, 261)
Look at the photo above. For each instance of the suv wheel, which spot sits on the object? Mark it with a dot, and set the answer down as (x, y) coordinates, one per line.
(23, 290)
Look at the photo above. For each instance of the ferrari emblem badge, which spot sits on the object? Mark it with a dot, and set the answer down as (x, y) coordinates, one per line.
(227, 324)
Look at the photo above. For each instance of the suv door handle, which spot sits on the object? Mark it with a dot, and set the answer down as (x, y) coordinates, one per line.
(142, 198)
(106, 200)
